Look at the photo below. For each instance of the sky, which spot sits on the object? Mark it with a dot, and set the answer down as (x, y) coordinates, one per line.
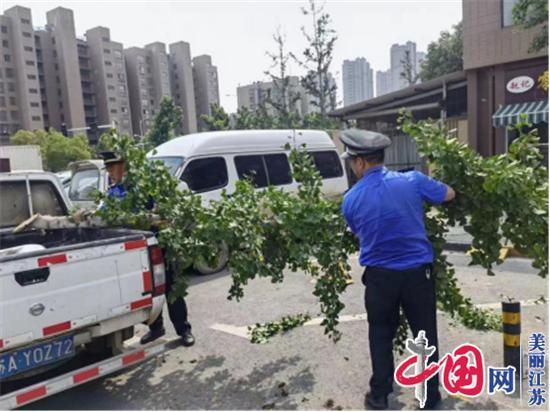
(237, 34)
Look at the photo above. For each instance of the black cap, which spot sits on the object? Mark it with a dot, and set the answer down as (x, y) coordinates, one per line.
(110, 158)
(360, 142)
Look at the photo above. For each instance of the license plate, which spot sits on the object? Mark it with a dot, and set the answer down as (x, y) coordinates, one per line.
(32, 357)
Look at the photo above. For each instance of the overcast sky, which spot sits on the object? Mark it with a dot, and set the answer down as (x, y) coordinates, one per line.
(237, 34)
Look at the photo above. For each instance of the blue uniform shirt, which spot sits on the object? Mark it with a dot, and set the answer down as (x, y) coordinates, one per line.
(117, 191)
(384, 210)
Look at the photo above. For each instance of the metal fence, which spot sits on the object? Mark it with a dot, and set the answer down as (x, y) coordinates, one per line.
(402, 154)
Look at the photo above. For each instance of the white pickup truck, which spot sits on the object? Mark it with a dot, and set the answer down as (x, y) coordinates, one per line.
(66, 290)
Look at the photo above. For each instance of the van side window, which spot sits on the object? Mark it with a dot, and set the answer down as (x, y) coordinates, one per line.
(202, 175)
(278, 169)
(251, 167)
(328, 164)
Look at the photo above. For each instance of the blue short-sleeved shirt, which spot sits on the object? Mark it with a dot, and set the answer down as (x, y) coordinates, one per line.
(384, 210)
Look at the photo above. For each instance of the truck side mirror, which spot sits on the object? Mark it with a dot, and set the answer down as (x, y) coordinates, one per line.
(183, 185)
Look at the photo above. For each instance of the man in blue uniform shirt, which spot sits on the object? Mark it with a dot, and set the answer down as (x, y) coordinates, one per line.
(177, 310)
(385, 211)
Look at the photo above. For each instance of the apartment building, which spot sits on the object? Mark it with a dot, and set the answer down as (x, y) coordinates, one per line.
(88, 89)
(148, 83)
(258, 94)
(205, 77)
(357, 80)
(110, 86)
(20, 102)
(183, 90)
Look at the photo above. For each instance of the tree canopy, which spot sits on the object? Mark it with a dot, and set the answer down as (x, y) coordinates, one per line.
(533, 13)
(444, 55)
(167, 119)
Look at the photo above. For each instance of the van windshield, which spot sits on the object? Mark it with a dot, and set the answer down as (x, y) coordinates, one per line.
(172, 163)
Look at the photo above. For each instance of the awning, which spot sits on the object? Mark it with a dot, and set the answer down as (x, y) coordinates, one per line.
(510, 114)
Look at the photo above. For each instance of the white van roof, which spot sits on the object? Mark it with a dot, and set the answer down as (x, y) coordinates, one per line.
(238, 141)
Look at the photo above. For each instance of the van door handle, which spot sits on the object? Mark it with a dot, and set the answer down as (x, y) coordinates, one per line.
(33, 276)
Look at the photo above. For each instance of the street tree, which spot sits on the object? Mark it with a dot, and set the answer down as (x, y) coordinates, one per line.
(57, 150)
(533, 13)
(284, 96)
(409, 72)
(217, 120)
(317, 58)
(166, 121)
(444, 55)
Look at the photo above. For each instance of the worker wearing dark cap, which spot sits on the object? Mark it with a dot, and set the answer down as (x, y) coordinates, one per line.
(385, 211)
(177, 310)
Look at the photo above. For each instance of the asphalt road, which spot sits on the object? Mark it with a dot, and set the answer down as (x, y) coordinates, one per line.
(302, 369)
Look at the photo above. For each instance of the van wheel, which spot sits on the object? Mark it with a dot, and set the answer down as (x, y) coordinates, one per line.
(223, 256)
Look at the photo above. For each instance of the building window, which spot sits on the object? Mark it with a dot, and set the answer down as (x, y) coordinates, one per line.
(13, 102)
(4, 29)
(106, 51)
(118, 54)
(14, 115)
(109, 75)
(10, 73)
(33, 91)
(114, 111)
(3, 116)
(2, 101)
(108, 63)
(121, 77)
(124, 110)
(112, 99)
(110, 87)
(36, 118)
(29, 63)
(122, 89)
(5, 43)
(27, 34)
(25, 21)
(28, 48)
(7, 58)
(11, 87)
(507, 6)
(35, 104)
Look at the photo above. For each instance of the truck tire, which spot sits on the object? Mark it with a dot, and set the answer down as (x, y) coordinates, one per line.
(223, 256)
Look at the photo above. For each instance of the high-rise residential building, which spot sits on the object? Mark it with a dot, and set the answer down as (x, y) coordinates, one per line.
(357, 80)
(205, 76)
(258, 94)
(104, 81)
(20, 102)
(420, 57)
(148, 81)
(183, 89)
(383, 82)
(392, 79)
(51, 78)
(64, 73)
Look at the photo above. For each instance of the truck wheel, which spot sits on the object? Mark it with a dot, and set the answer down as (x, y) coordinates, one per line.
(223, 256)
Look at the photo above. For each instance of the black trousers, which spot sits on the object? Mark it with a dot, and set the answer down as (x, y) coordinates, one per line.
(176, 310)
(387, 291)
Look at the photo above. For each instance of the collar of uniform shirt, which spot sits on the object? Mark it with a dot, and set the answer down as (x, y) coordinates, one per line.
(374, 170)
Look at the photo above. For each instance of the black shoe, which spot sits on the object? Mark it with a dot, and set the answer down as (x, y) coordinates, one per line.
(432, 402)
(376, 403)
(187, 339)
(152, 335)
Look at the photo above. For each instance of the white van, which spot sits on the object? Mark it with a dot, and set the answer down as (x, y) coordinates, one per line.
(207, 163)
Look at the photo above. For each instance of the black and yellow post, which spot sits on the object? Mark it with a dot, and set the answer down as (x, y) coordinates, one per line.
(511, 333)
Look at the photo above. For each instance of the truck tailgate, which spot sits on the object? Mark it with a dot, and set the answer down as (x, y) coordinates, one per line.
(48, 294)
